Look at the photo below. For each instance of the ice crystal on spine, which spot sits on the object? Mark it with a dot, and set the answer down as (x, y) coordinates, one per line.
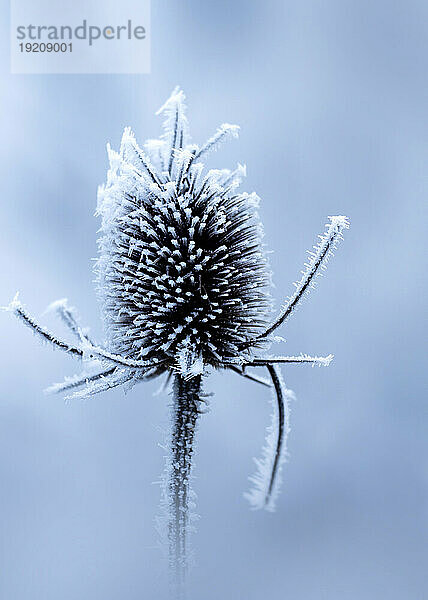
(184, 285)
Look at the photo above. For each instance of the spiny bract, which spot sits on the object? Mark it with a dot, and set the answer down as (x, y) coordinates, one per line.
(182, 273)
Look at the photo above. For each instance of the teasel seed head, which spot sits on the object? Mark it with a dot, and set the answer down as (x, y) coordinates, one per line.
(182, 271)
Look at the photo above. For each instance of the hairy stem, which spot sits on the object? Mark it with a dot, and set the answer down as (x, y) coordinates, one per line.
(184, 417)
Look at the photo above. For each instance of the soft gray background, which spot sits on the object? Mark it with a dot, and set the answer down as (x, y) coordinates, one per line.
(331, 97)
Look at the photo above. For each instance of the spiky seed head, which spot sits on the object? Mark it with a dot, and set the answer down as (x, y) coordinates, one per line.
(182, 272)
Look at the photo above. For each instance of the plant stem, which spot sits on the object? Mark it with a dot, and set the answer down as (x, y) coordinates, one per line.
(184, 416)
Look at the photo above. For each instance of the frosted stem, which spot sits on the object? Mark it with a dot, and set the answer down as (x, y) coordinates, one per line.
(184, 417)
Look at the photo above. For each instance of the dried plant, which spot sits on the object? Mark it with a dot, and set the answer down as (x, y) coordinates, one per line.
(184, 285)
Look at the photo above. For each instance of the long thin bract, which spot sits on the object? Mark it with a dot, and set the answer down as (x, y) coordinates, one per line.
(317, 259)
(266, 481)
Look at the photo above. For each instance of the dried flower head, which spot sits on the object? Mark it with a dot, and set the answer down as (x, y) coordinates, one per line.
(182, 273)
(184, 285)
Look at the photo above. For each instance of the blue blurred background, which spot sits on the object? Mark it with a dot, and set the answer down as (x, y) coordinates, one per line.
(332, 101)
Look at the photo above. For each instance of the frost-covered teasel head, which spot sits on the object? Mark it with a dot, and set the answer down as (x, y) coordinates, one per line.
(182, 272)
